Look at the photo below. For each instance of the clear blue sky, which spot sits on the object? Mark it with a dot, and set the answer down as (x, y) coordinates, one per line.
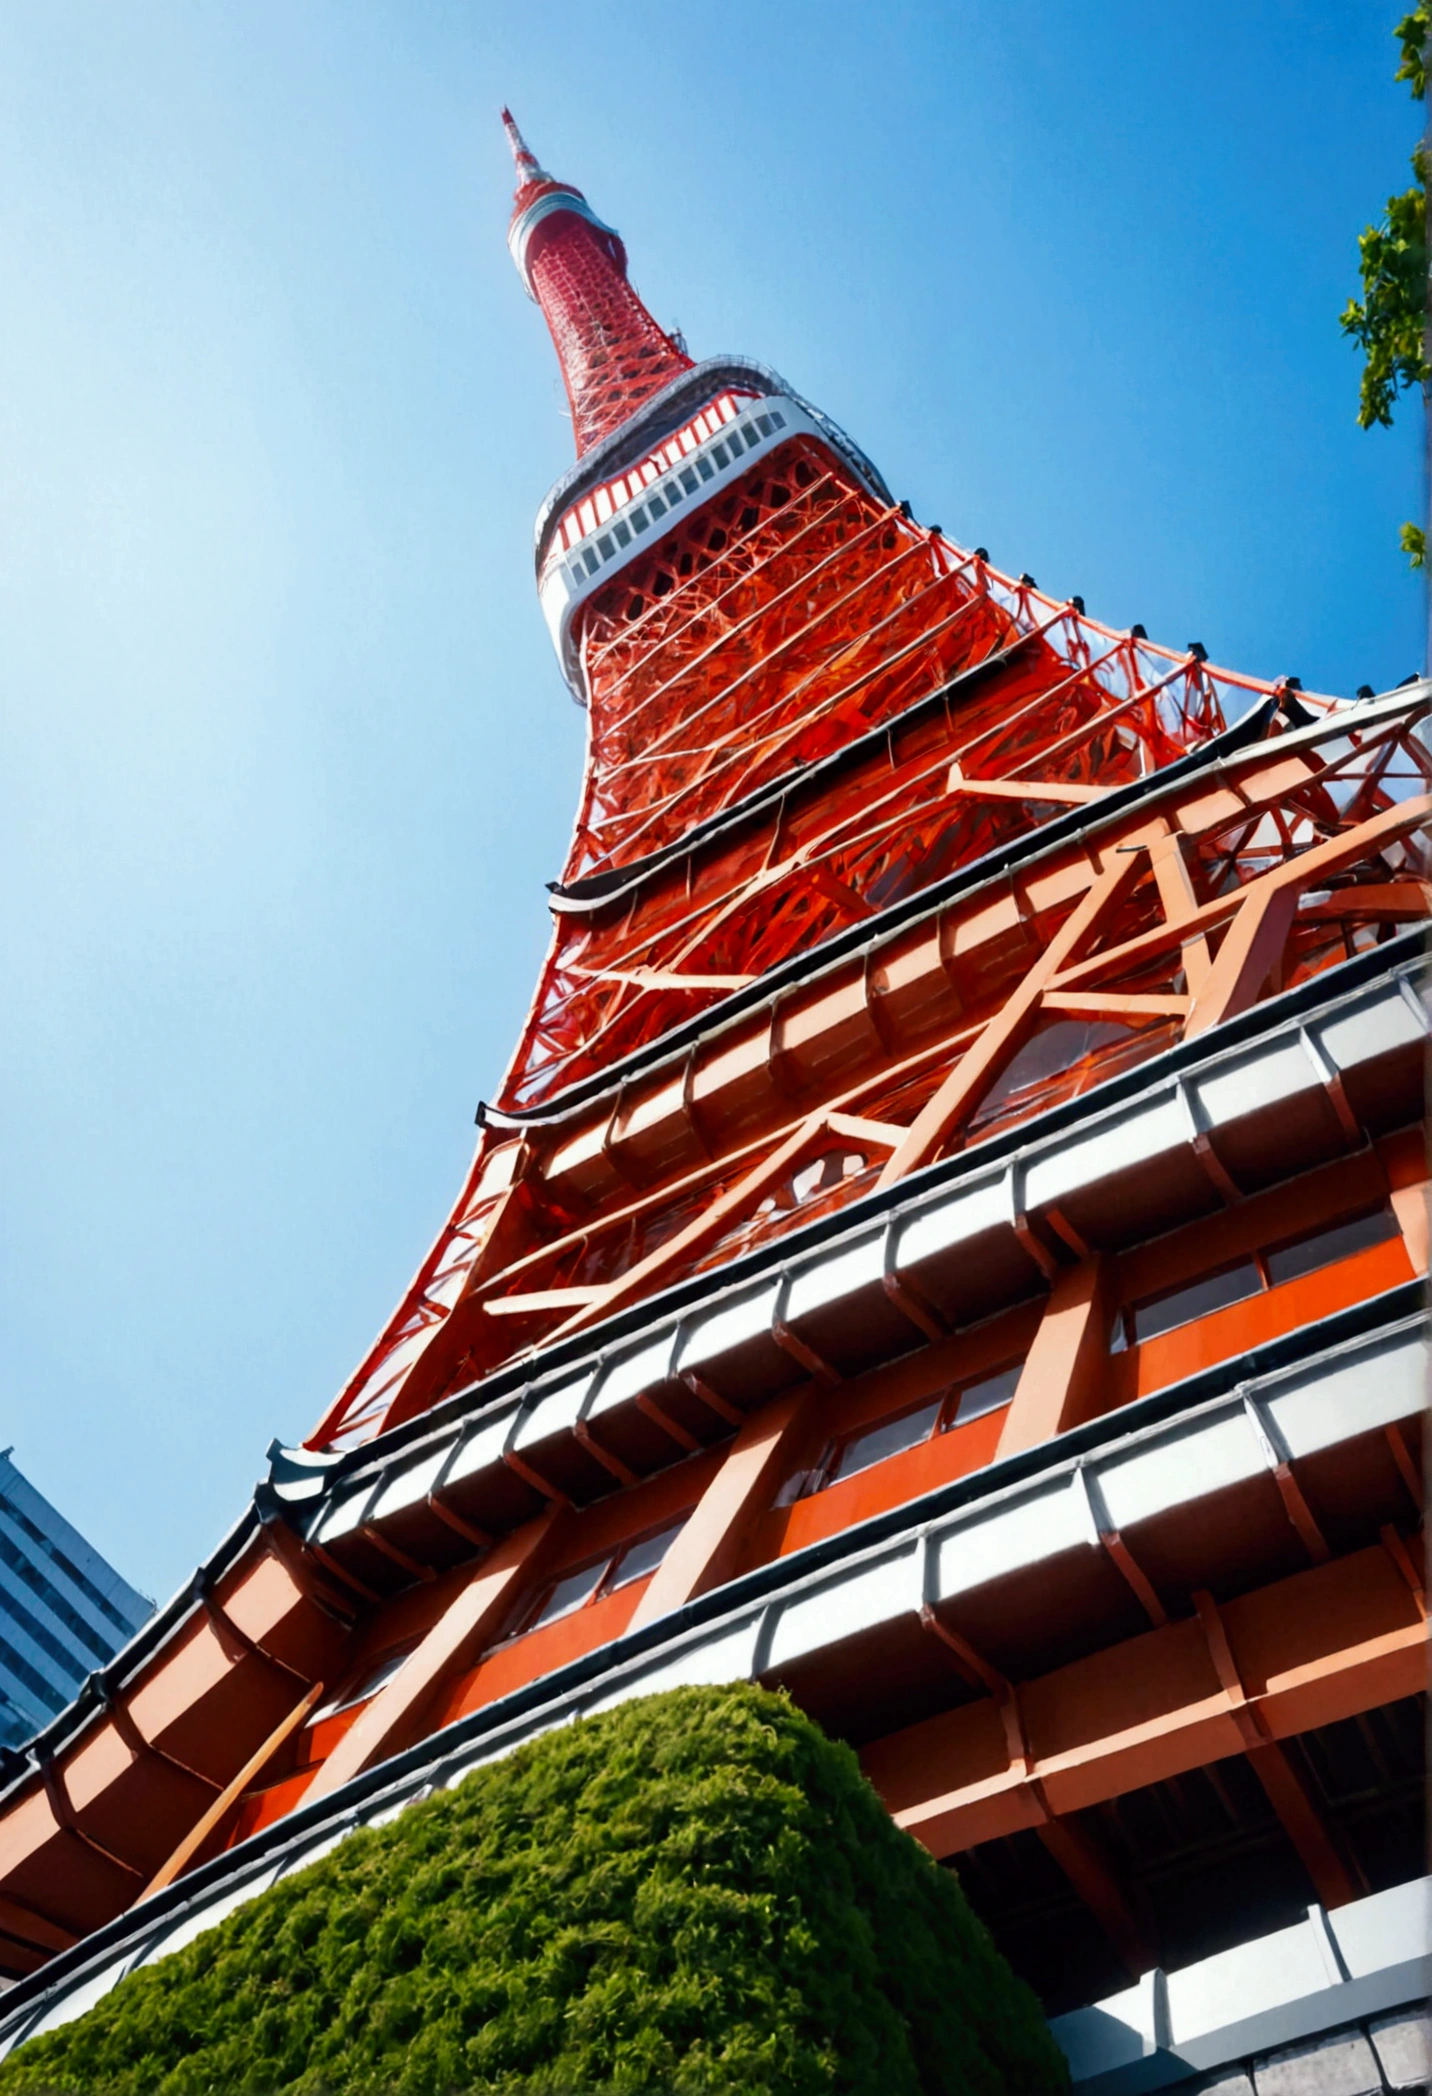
(287, 758)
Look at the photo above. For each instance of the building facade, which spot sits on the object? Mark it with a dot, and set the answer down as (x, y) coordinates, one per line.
(63, 1610)
(950, 1243)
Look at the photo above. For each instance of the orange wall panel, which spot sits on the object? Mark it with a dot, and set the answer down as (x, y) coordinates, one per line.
(515, 1662)
(1259, 1318)
(874, 1491)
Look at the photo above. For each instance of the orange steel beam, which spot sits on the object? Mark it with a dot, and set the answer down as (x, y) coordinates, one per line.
(394, 1714)
(185, 1852)
(637, 1280)
(709, 1547)
(972, 1074)
(1262, 915)
(37, 1931)
(1064, 1367)
(979, 923)
(1299, 1817)
(1086, 1864)
(845, 843)
(1313, 1648)
(981, 1062)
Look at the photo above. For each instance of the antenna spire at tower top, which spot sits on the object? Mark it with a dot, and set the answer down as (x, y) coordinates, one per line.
(528, 167)
(612, 353)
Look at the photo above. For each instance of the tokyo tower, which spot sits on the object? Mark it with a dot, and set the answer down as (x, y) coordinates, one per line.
(950, 1242)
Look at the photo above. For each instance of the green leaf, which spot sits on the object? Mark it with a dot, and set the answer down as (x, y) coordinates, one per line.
(1414, 545)
(1411, 32)
(1388, 322)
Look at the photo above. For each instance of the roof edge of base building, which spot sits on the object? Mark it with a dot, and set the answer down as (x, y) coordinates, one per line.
(1327, 1389)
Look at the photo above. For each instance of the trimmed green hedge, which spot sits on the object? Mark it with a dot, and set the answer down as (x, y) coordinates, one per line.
(696, 1892)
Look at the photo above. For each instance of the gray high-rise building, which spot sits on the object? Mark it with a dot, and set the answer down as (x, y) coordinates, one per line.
(63, 1609)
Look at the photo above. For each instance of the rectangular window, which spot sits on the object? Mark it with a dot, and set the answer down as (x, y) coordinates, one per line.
(689, 480)
(605, 1575)
(621, 532)
(763, 424)
(365, 1685)
(956, 1406)
(640, 1558)
(639, 520)
(590, 561)
(721, 455)
(705, 468)
(891, 1438)
(605, 547)
(568, 1594)
(987, 1395)
(1336, 1241)
(1180, 1306)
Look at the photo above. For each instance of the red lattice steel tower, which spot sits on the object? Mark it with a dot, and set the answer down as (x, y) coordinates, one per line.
(737, 599)
(948, 1243)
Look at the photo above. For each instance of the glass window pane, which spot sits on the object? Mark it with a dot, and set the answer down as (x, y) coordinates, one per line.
(987, 1395)
(644, 1556)
(378, 1676)
(888, 1439)
(570, 1593)
(1338, 1241)
(1181, 1305)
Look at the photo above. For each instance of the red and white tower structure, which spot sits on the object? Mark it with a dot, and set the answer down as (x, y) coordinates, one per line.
(949, 1242)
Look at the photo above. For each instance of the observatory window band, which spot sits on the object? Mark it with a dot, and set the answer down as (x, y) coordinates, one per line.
(672, 488)
(1253, 1275)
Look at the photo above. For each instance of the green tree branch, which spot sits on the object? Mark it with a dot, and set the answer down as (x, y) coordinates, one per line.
(1389, 322)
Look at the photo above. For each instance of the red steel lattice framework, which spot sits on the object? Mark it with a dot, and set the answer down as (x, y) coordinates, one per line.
(805, 711)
